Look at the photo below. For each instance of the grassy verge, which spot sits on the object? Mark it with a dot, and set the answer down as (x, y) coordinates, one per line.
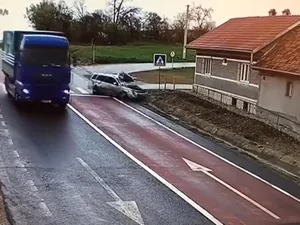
(231, 127)
(142, 53)
(178, 75)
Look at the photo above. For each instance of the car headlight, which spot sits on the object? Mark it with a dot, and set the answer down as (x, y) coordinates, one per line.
(66, 91)
(26, 91)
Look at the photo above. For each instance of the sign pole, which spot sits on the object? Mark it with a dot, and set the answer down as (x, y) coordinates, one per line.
(159, 78)
(172, 54)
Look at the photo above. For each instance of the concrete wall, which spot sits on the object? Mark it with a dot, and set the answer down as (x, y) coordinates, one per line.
(272, 96)
(225, 78)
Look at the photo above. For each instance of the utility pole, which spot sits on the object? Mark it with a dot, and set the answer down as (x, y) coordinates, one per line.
(185, 32)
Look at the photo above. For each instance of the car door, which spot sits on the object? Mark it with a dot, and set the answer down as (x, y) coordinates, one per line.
(113, 85)
(101, 84)
(92, 80)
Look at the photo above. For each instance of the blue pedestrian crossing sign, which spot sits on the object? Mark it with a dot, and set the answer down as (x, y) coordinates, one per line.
(160, 59)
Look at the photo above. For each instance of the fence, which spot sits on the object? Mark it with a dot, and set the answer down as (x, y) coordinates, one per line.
(242, 106)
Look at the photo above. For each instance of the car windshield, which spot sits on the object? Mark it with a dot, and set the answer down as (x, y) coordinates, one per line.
(37, 56)
(124, 77)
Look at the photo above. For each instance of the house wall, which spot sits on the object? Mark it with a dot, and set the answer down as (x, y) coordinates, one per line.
(272, 96)
(225, 78)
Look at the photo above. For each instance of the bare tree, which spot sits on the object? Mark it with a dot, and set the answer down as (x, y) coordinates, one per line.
(200, 16)
(79, 8)
(3, 12)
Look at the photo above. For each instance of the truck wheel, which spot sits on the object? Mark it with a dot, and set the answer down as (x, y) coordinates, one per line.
(62, 106)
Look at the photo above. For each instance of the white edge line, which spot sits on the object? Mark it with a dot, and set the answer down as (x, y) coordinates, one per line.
(90, 95)
(82, 90)
(212, 153)
(154, 174)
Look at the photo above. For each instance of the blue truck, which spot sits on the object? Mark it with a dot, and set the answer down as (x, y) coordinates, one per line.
(37, 67)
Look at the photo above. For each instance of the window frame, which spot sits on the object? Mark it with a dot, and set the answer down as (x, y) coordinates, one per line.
(207, 66)
(244, 72)
(289, 89)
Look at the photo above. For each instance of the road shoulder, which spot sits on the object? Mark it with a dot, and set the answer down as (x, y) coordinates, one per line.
(3, 214)
(278, 151)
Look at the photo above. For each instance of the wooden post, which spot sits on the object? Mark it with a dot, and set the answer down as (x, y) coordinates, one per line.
(174, 83)
(165, 84)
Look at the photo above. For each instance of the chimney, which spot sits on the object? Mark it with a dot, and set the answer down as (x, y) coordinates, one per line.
(286, 12)
(272, 12)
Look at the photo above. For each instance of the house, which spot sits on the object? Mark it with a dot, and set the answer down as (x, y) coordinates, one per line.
(279, 70)
(225, 56)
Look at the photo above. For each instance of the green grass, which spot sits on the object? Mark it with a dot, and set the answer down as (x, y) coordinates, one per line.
(129, 53)
(178, 75)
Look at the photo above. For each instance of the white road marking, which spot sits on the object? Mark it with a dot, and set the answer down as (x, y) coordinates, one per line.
(3, 123)
(211, 152)
(207, 171)
(10, 141)
(91, 95)
(99, 179)
(82, 90)
(128, 208)
(145, 167)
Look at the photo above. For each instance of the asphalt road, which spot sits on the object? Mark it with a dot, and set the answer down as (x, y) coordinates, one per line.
(57, 170)
(222, 184)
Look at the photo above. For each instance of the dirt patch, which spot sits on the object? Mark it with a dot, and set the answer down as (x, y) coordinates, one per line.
(3, 215)
(251, 136)
(178, 75)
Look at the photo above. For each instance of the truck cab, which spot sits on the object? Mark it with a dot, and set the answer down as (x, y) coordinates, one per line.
(39, 69)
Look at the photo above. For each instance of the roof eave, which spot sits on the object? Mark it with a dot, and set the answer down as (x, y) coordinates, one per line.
(219, 49)
(275, 70)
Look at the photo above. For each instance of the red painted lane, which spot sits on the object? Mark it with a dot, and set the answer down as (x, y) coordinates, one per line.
(162, 151)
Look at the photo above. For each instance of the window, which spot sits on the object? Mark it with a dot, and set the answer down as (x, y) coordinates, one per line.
(206, 66)
(38, 56)
(244, 72)
(125, 78)
(245, 106)
(233, 101)
(94, 77)
(289, 89)
(111, 80)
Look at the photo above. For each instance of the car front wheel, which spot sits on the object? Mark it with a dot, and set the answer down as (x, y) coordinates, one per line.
(94, 91)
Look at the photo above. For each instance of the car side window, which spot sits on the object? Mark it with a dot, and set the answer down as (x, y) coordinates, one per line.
(111, 80)
(94, 77)
(101, 78)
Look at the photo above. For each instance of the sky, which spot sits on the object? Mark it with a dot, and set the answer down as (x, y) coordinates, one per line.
(223, 9)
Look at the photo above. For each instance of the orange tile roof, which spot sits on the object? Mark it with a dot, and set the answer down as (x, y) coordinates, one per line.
(285, 55)
(246, 33)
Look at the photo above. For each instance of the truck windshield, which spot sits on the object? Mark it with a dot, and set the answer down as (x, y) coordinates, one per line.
(45, 57)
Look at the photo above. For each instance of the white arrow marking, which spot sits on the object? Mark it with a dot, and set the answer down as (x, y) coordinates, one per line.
(196, 167)
(128, 208)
